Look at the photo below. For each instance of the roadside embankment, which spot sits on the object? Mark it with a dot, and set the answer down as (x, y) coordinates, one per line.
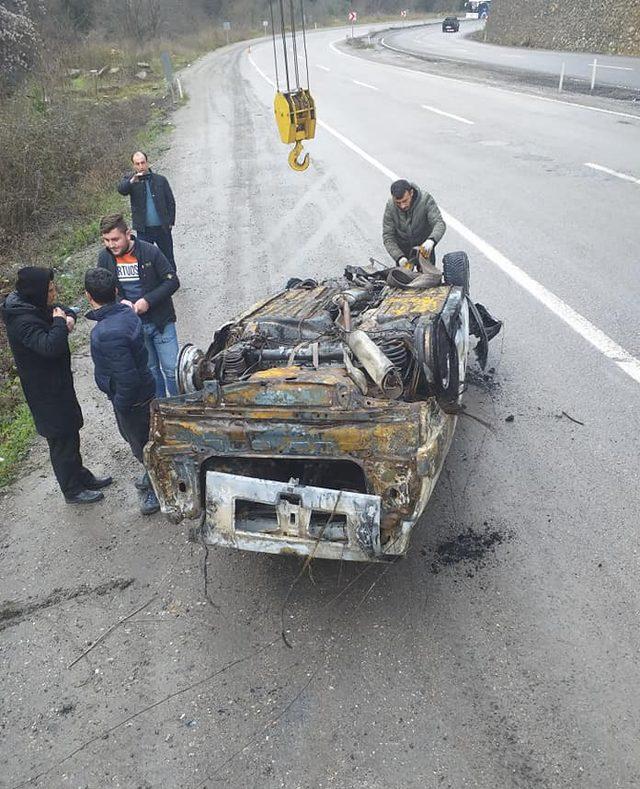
(608, 26)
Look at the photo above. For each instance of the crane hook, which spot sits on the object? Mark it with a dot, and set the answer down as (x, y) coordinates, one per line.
(299, 166)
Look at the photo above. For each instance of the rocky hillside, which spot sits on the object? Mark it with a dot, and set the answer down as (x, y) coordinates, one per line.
(609, 26)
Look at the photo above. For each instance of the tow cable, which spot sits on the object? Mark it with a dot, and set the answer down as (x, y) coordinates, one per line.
(295, 109)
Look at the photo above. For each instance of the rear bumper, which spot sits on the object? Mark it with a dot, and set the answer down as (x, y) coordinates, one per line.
(287, 518)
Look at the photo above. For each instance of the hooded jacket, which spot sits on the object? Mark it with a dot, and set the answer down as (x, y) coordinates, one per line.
(162, 197)
(120, 356)
(40, 346)
(402, 230)
(159, 281)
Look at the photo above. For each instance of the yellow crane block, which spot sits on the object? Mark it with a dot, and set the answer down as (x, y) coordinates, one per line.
(296, 119)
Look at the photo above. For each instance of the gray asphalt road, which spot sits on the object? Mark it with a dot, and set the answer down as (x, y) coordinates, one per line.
(431, 41)
(504, 651)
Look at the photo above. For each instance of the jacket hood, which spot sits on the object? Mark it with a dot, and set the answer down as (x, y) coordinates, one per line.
(32, 285)
(14, 304)
(106, 310)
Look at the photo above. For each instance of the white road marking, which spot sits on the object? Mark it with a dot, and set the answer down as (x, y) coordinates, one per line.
(365, 85)
(324, 68)
(261, 72)
(587, 330)
(617, 174)
(447, 114)
(476, 85)
(616, 68)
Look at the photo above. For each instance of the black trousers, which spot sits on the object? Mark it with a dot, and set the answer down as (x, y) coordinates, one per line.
(67, 463)
(162, 238)
(133, 425)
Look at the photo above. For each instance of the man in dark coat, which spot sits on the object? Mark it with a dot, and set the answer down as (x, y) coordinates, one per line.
(121, 370)
(412, 224)
(146, 282)
(153, 207)
(38, 331)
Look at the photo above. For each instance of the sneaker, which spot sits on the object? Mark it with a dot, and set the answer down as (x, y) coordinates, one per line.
(149, 503)
(143, 483)
(84, 497)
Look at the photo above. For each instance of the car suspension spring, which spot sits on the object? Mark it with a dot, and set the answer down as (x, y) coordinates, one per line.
(233, 365)
(396, 351)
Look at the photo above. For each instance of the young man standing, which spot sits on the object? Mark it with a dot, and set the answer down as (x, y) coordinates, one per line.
(153, 207)
(38, 333)
(121, 370)
(146, 281)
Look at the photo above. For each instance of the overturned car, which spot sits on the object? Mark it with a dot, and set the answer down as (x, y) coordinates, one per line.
(317, 423)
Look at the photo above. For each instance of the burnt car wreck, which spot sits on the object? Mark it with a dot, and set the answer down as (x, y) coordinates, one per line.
(317, 423)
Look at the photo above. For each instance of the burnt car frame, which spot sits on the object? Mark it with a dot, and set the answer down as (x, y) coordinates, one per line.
(317, 423)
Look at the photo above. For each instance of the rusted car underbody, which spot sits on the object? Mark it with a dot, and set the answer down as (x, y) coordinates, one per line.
(317, 423)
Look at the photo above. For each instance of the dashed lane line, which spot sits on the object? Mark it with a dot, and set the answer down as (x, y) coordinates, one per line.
(447, 114)
(622, 176)
(364, 85)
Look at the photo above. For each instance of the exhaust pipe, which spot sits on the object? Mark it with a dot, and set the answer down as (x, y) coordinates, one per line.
(385, 374)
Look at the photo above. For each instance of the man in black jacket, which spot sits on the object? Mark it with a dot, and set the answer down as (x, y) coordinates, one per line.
(121, 371)
(153, 207)
(146, 281)
(38, 333)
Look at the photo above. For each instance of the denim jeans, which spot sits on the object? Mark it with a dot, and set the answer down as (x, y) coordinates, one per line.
(162, 347)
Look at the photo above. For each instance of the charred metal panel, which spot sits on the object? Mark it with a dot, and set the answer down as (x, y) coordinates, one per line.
(294, 508)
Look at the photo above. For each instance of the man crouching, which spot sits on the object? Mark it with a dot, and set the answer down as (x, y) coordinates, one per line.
(122, 368)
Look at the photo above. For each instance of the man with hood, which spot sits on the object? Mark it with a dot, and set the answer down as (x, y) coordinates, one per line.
(412, 224)
(38, 330)
(121, 368)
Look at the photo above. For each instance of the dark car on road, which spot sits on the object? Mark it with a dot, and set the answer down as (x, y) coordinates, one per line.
(450, 24)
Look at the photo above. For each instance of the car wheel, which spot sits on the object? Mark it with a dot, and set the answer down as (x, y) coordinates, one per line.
(455, 268)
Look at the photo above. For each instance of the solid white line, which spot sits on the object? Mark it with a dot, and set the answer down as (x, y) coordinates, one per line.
(324, 68)
(261, 72)
(602, 169)
(592, 334)
(616, 68)
(430, 75)
(364, 85)
(447, 114)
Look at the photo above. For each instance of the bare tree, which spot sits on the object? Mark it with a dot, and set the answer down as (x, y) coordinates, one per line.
(19, 40)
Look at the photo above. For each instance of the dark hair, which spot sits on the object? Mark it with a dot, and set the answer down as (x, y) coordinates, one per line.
(398, 188)
(113, 222)
(100, 284)
(144, 153)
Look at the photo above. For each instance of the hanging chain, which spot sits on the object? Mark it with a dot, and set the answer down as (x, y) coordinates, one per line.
(273, 38)
(304, 40)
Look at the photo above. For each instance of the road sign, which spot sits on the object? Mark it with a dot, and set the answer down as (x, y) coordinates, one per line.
(265, 24)
(353, 16)
(226, 25)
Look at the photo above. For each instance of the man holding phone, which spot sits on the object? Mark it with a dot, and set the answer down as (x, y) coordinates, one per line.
(153, 206)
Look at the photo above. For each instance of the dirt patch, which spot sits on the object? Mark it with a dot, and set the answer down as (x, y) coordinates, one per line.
(471, 548)
(486, 381)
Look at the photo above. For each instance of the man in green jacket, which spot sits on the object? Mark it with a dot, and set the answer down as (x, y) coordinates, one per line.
(412, 224)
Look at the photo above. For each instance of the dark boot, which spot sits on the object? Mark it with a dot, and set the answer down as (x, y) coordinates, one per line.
(97, 483)
(149, 503)
(143, 483)
(84, 497)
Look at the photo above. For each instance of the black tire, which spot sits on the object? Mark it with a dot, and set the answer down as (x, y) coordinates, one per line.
(455, 268)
